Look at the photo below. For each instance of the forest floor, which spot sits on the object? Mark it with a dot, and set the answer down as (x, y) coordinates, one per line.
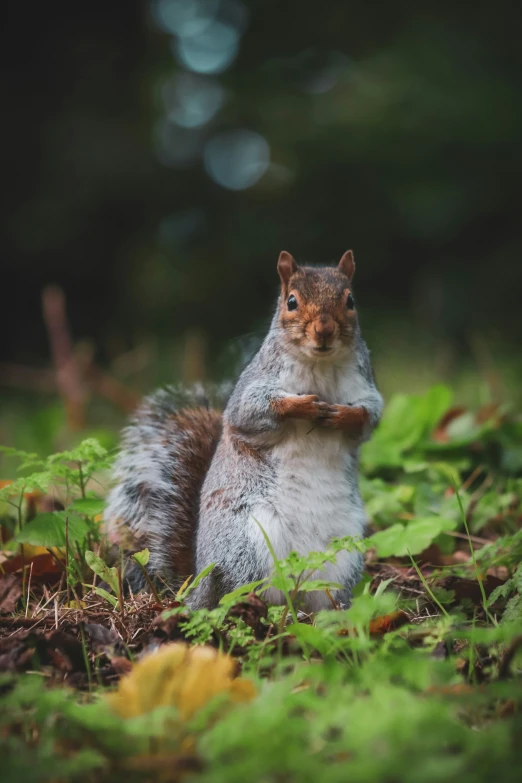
(420, 680)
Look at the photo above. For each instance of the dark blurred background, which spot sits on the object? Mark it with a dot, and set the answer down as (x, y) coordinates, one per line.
(157, 156)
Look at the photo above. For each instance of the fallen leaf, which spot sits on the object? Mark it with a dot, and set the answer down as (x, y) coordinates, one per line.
(121, 665)
(180, 676)
(459, 689)
(62, 650)
(252, 609)
(488, 411)
(440, 433)
(470, 588)
(166, 628)
(388, 622)
(44, 567)
(76, 605)
(10, 592)
(30, 552)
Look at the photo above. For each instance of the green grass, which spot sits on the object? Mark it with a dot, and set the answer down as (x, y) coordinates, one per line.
(420, 680)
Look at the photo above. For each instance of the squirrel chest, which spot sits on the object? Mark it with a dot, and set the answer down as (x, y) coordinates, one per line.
(314, 497)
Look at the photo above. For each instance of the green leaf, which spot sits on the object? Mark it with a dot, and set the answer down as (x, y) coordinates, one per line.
(142, 557)
(399, 539)
(88, 506)
(513, 610)
(192, 586)
(408, 420)
(101, 569)
(103, 594)
(239, 592)
(88, 450)
(313, 585)
(36, 481)
(48, 530)
(312, 636)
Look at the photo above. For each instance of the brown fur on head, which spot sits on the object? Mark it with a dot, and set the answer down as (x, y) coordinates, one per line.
(316, 308)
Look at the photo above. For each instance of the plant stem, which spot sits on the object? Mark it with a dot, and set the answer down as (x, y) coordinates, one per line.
(67, 575)
(149, 582)
(426, 586)
(474, 559)
(86, 657)
(279, 571)
(120, 594)
(82, 482)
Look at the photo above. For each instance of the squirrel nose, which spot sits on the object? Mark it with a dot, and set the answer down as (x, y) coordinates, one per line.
(324, 327)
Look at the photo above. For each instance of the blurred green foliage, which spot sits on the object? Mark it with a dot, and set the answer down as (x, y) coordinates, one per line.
(392, 128)
(341, 695)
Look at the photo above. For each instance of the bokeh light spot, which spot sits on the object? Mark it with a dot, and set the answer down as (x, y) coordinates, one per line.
(191, 101)
(237, 159)
(211, 51)
(185, 17)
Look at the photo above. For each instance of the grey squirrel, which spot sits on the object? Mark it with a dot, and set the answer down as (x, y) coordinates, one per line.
(193, 483)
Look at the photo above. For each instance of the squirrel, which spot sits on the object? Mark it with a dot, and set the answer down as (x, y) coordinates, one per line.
(193, 483)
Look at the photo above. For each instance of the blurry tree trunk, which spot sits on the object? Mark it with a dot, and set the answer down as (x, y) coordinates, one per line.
(68, 377)
(194, 356)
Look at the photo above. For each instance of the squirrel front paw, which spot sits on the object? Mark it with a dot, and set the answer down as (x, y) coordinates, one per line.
(345, 417)
(301, 406)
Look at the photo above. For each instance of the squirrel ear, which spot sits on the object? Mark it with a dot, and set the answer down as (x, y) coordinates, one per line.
(286, 267)
(347, 264)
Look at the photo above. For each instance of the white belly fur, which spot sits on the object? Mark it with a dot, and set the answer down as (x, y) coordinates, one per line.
(316, 496)
(312, 504)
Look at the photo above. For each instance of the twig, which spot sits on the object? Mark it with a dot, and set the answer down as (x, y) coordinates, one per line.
(22, 561)
(474, 559)
(120, 596)
(29, 589)
(149, 582)
(476, 539)
(427, 587)
(67, 574)
(68, 378)
(505, 663)
(471, 478)
(86, 656)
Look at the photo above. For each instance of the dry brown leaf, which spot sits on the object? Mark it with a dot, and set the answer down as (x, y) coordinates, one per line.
(180, 676)
(440, 433)
(10, 592)
(44, 566)
(388, 622)
(459, 689)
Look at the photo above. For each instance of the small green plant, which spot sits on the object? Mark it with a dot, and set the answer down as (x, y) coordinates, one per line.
(418, 680)
(69, 480)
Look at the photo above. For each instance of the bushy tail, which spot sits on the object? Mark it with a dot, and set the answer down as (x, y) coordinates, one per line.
(159, 473)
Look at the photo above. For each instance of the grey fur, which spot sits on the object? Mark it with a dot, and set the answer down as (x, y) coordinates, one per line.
(252, 472)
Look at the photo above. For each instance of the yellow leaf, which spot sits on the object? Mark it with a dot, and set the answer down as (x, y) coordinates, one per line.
(76, 605)
(30, 552)
(183, 587)
(179, 676)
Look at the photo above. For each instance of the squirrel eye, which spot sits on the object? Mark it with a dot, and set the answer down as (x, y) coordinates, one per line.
(292, 302)
(350, 304)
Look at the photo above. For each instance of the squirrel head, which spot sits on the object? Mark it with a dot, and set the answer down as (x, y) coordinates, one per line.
(316, 308)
